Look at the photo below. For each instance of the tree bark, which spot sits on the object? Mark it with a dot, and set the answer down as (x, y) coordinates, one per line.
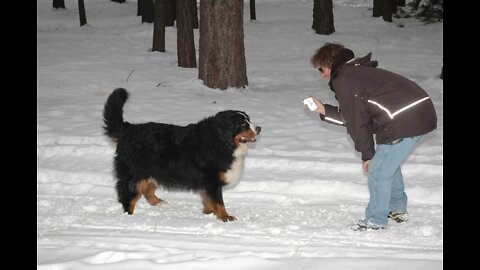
(147, 11)
(323, 17)
(159, 27)
(253, 14)
(58, 4)
(139, 7)
(377, 8)
(81, 11)
(170, 13)
(222, 52)
(387, 9)
(194, 11)
(185, 43)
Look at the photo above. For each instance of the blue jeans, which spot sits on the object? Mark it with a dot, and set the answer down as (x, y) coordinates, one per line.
(385, 181)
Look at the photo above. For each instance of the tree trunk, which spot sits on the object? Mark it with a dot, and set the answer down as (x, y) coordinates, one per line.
(253, 15)
(147, 11)
(194, 11)
(81, 11)
(387, 9)
(170, 13)
(139, 7)
(377, 8)
(58, 3)
(222, 52)
(185, 43)
(159, 27)
(323, 17)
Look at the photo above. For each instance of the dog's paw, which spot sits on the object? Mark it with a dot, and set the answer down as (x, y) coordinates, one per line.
(154, 200)
(227, 218)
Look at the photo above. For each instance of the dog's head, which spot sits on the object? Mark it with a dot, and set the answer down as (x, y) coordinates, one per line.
(239, 126)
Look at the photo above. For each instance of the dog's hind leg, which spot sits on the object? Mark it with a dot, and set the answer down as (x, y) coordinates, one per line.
(149, 192)
(147, 188)
(126, 189)
(129, 198)
(126, 196)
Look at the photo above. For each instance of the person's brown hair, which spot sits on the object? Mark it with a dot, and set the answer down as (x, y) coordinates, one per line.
(325, 55)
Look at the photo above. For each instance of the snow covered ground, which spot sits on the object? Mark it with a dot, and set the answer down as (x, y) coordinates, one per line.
(303, 183)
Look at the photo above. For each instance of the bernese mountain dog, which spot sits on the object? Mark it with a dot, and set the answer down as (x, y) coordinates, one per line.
(202, 157)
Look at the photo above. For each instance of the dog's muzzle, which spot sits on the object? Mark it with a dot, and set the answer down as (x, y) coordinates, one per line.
(251, 139)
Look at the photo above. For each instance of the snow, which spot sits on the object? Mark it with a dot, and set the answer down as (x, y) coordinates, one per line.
(303, 184)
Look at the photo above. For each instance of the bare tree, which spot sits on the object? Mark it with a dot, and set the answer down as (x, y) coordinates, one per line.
(147, 11)
(194, 11)
(170, 13)
(222, 52)
(58, 4)
(159, 26)
(377, 8)
(139, 7)
(386, 8)
(323, 17)
(253, 14)
(81, 13)
(185, 43)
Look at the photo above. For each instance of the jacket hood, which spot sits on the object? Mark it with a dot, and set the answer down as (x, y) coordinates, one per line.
(345, 57)
(364, 61)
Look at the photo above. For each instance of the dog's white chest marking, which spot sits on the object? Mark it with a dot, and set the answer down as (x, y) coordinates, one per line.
(235, 172)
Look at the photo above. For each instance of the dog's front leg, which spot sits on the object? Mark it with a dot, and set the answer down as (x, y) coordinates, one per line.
(213, 202)
(208, 206)
(222, 213)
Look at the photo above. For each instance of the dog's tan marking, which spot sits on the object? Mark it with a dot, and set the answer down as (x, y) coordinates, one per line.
(147, 188)
(207, 204)
(216, 208)
(133, 202)
(149, 192)
(249, 134)
(221, 213)
(223, 177)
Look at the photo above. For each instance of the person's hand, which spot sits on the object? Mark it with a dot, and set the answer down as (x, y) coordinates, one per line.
(320, 108)
(365, 165)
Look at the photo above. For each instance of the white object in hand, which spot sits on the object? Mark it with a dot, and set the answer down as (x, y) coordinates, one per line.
(310, 103)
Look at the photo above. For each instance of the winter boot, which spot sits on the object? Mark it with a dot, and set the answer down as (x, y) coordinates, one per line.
(361, 225)
(398, 216)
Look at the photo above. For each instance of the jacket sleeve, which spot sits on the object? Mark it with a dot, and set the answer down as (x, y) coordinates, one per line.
(332, 115)
(356, 118)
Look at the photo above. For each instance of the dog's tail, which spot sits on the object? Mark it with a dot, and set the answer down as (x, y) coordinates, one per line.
(113, 113)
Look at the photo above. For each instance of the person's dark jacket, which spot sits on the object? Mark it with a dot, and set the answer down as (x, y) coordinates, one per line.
(376, 101)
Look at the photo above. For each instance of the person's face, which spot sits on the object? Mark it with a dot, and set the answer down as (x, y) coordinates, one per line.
(324, 71)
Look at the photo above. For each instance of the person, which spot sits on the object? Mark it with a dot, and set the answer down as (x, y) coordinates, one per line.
(373, 101)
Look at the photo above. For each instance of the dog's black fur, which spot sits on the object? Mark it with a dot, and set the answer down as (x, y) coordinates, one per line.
(202, 157)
